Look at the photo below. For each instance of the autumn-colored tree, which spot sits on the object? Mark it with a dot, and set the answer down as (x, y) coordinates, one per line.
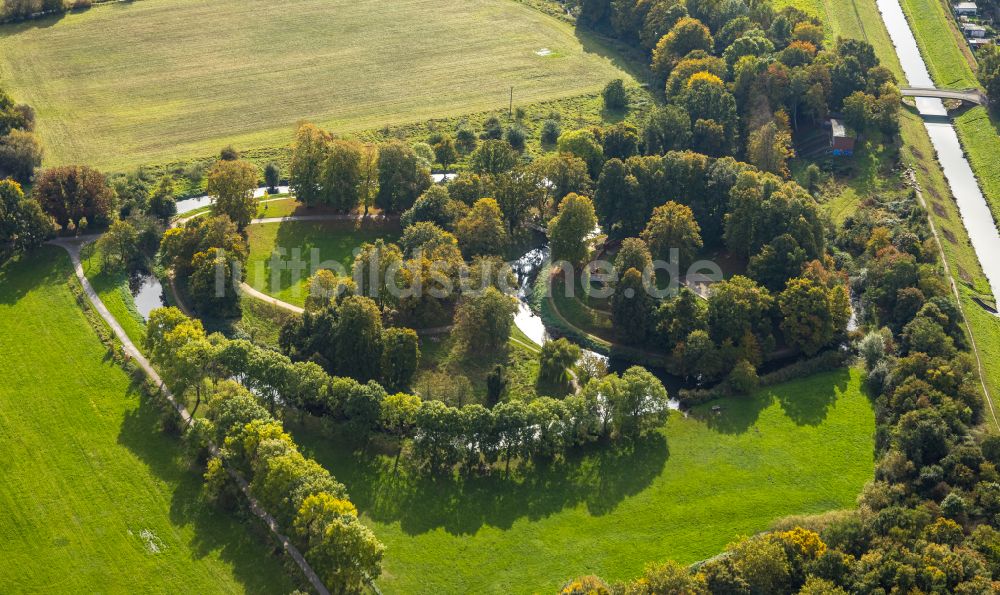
(75, 192)
(685, 36)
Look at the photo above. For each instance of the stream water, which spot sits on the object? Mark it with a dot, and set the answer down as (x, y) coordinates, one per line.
(971, 203)
(147, 293)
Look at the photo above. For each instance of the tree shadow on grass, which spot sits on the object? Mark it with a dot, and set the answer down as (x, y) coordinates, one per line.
(239, 539)
(599, 476)
(621, 56)
(21, 274)
(806, 401)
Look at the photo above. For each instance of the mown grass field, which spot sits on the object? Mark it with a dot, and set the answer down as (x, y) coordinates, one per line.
(94, 497)
(684, 493)
(163, 80)
(310, 244)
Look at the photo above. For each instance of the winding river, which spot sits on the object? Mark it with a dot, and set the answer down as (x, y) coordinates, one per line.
(964, 187)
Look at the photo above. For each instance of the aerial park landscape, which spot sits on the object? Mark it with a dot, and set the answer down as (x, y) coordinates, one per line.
(500, 296)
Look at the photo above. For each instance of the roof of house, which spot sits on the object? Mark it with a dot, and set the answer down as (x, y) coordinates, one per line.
(972, 27)
(839, 129)
(965, 5)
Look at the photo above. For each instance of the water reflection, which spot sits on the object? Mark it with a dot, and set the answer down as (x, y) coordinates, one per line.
(147, 293)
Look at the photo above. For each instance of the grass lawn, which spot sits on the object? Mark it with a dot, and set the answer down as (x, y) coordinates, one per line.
(160, 80)
(802, 447)
(95, 498)
(333, 243)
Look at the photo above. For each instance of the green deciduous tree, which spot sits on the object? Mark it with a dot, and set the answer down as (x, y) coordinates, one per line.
(401, 178)
(358, 338)
(233, 183)
(583, 144)
(569, 229)
(483, 322)
(493, 157)
(810, 319)
(672, 227)
(400, 358)
(20, 154)
(632, 308)
(23, 224)
(556, 361)
(482, 230)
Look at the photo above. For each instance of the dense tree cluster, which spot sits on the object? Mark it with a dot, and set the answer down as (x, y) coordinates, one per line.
(739, 75)
(209, 253)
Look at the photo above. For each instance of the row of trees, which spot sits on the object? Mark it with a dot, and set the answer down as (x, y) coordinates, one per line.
(442, 436)
(296, 490)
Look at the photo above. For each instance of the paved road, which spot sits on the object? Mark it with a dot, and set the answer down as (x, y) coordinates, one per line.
(73, 246)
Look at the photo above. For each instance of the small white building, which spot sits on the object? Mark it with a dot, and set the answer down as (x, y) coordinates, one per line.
(966, 9)
(973, 31)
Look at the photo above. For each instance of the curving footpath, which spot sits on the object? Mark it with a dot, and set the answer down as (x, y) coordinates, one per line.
(73, 246)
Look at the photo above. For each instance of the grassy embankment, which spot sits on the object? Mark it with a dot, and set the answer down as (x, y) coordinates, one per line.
(95, 497)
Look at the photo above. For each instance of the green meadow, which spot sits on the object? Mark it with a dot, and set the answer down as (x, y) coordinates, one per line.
(803, 447)
(94, 497)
